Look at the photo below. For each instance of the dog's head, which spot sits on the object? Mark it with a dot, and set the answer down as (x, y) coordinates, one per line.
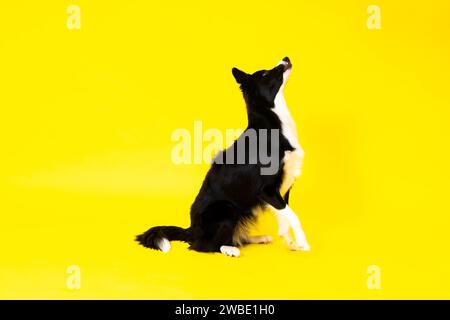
(261, 87)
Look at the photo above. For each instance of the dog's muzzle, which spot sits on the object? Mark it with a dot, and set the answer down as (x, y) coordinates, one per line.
(286, 62)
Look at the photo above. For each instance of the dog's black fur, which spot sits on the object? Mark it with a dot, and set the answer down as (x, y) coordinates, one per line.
(230, 192)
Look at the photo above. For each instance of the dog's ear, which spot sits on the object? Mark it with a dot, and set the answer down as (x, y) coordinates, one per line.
(240, 76)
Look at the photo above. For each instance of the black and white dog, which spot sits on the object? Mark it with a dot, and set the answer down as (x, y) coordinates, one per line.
(234, 193)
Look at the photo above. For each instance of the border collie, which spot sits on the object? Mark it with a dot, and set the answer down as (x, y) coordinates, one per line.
(233, 194)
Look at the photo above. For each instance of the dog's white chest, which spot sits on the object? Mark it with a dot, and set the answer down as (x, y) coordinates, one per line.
(292, 168)
(292, 161)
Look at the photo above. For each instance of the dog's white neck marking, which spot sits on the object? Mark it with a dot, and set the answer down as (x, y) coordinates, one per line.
(292, 163)
(292, 160)
(288, 127)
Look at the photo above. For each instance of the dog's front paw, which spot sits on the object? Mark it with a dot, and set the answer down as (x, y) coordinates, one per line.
(299, 246)
(302, 246)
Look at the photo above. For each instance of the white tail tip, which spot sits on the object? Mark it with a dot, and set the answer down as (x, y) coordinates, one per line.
(164, 245)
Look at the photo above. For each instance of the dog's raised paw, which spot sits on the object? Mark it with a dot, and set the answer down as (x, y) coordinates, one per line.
(230, 251)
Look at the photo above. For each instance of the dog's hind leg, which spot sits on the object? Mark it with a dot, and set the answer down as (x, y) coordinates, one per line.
(215, 229)
(259, 239)
(230, 251)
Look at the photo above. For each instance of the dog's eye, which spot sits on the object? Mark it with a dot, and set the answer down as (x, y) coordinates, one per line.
(265, 73)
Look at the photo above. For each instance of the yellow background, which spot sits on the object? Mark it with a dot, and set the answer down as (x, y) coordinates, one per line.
(86, 120)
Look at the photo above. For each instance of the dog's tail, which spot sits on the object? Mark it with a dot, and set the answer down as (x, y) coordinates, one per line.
(159, 238)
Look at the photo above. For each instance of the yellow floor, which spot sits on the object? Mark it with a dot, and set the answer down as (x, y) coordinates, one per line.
(86, 123)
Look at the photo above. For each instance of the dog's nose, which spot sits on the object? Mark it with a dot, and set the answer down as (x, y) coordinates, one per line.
(286, 63)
